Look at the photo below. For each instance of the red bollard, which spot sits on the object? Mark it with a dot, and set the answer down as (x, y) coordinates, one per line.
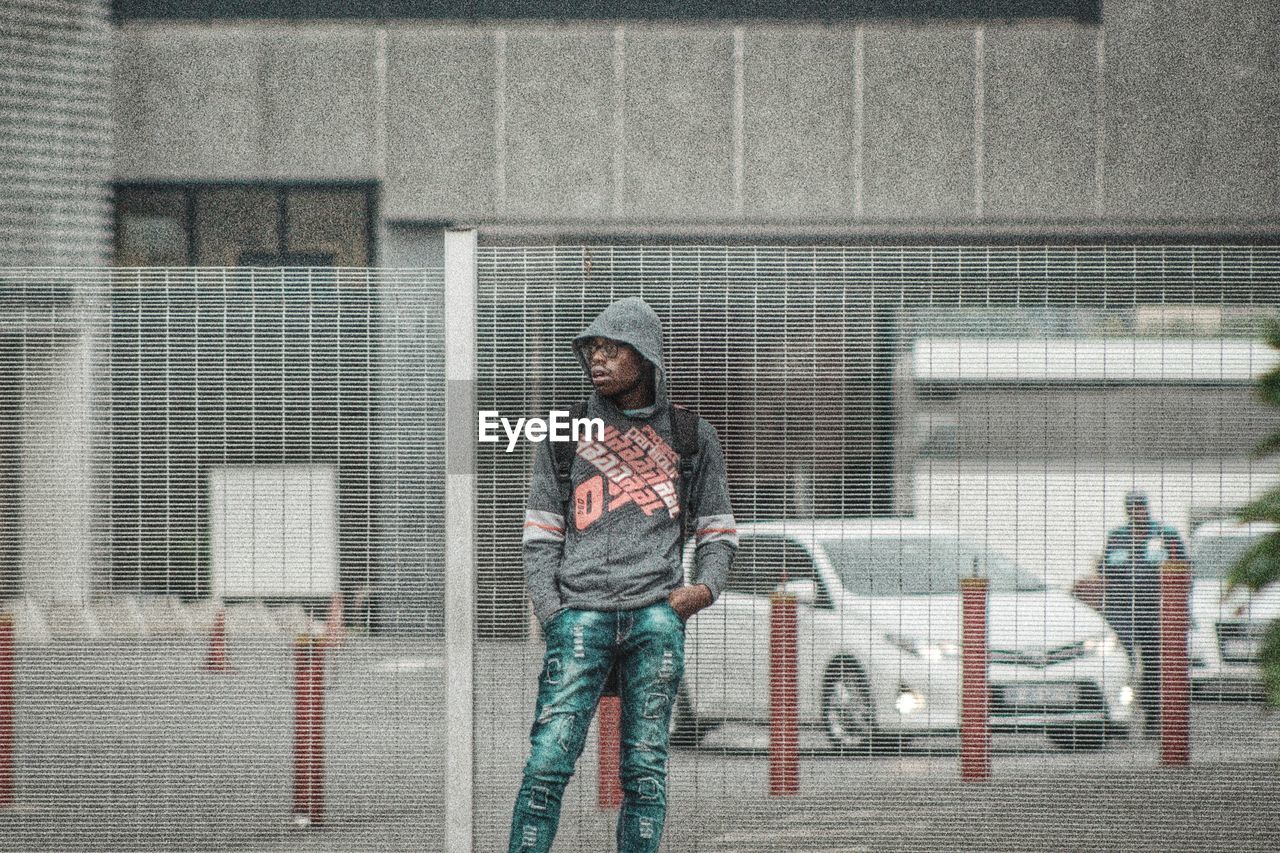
(6, 711)
(975, 724)
(784, 697)
(216, 660)
(1175, 676)
(308, 731)
(609, 714)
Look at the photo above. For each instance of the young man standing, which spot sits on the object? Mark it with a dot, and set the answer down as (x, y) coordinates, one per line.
(604, 573)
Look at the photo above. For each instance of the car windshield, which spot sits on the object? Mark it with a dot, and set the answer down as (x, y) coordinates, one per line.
(921, 565)
(1213, 556)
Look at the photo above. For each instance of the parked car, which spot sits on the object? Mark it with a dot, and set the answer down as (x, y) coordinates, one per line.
(1226, 633)
(879, 639)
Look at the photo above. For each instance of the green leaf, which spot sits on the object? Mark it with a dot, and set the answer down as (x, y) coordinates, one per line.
(1270, 662)
(1271, 334)
(1259, 566)
(1265, 507)
(1268, 387)
(1269, 445)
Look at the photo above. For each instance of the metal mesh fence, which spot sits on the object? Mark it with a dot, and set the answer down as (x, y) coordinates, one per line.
(200, 466)
(894, 420)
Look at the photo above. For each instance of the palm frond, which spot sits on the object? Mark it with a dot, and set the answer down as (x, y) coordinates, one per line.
(1259, 566)
(1270, 662)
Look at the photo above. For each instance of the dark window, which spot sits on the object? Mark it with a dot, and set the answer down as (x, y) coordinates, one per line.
(232, 222)
(678, 10)
(151, 227)
(742, 577)
(762, 563)
(262, 225)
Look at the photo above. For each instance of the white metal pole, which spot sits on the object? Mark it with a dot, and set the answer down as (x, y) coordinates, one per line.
(460, 573)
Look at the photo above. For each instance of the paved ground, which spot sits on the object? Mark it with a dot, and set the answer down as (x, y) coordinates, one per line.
(131, 747)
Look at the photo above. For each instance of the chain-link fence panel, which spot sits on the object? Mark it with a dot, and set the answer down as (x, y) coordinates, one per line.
(222, 561)
(968, 484)
(984, 504)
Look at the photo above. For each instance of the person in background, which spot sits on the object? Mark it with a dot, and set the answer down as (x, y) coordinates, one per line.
(1130, 570)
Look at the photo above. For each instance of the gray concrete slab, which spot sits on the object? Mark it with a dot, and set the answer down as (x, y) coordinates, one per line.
(919, 108)
(241, 102)
(441, 131)
(321, 104)
(187, 106)
(679, 124)
(799, 140)
(130, 746)
(1040, 122)
(560, 142)
(1189, 106)
(1192, 101)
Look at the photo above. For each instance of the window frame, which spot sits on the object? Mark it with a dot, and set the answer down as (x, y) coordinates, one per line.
(191, 191)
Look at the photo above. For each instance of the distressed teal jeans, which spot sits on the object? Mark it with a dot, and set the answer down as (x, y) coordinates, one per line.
(648, 644)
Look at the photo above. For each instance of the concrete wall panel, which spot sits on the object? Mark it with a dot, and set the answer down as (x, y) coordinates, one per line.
(560, 140)
(641, 125)
(440, 124)
(919, 109)
(247, 103)
(799, 123)
(319, 103)
(679, 125)
(1040, 122)
(1192, 107)
(188, 104)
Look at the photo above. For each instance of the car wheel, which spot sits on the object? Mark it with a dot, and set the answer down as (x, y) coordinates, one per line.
(1078, 738)
(848, 717)
(685, 728)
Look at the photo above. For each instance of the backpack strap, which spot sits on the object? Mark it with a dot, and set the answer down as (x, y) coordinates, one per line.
(684, 435)
(564, 452)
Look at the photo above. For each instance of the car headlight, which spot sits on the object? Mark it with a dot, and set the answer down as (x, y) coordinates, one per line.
(1104, 644)
(909, 701)
(922, 649)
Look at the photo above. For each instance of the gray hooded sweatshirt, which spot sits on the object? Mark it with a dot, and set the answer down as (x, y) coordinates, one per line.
(619, 548)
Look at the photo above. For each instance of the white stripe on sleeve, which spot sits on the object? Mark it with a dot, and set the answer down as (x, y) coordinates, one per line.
(716, 528)
(543, 526)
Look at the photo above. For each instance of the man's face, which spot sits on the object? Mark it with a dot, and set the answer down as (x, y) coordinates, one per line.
(1138, 514)
(616, 368)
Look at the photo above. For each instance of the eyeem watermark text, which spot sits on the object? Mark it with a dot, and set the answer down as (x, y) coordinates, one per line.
(557, 426)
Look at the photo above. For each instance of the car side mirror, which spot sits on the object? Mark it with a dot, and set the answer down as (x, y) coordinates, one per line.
(805, 591)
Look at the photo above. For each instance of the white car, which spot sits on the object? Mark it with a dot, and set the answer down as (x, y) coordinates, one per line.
(879, 634)
(1227, 630)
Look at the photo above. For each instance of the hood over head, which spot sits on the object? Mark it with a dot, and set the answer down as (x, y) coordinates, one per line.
(631, 321)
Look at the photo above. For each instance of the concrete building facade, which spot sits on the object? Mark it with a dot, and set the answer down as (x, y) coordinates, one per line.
(264, 134)
(1158, 120)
